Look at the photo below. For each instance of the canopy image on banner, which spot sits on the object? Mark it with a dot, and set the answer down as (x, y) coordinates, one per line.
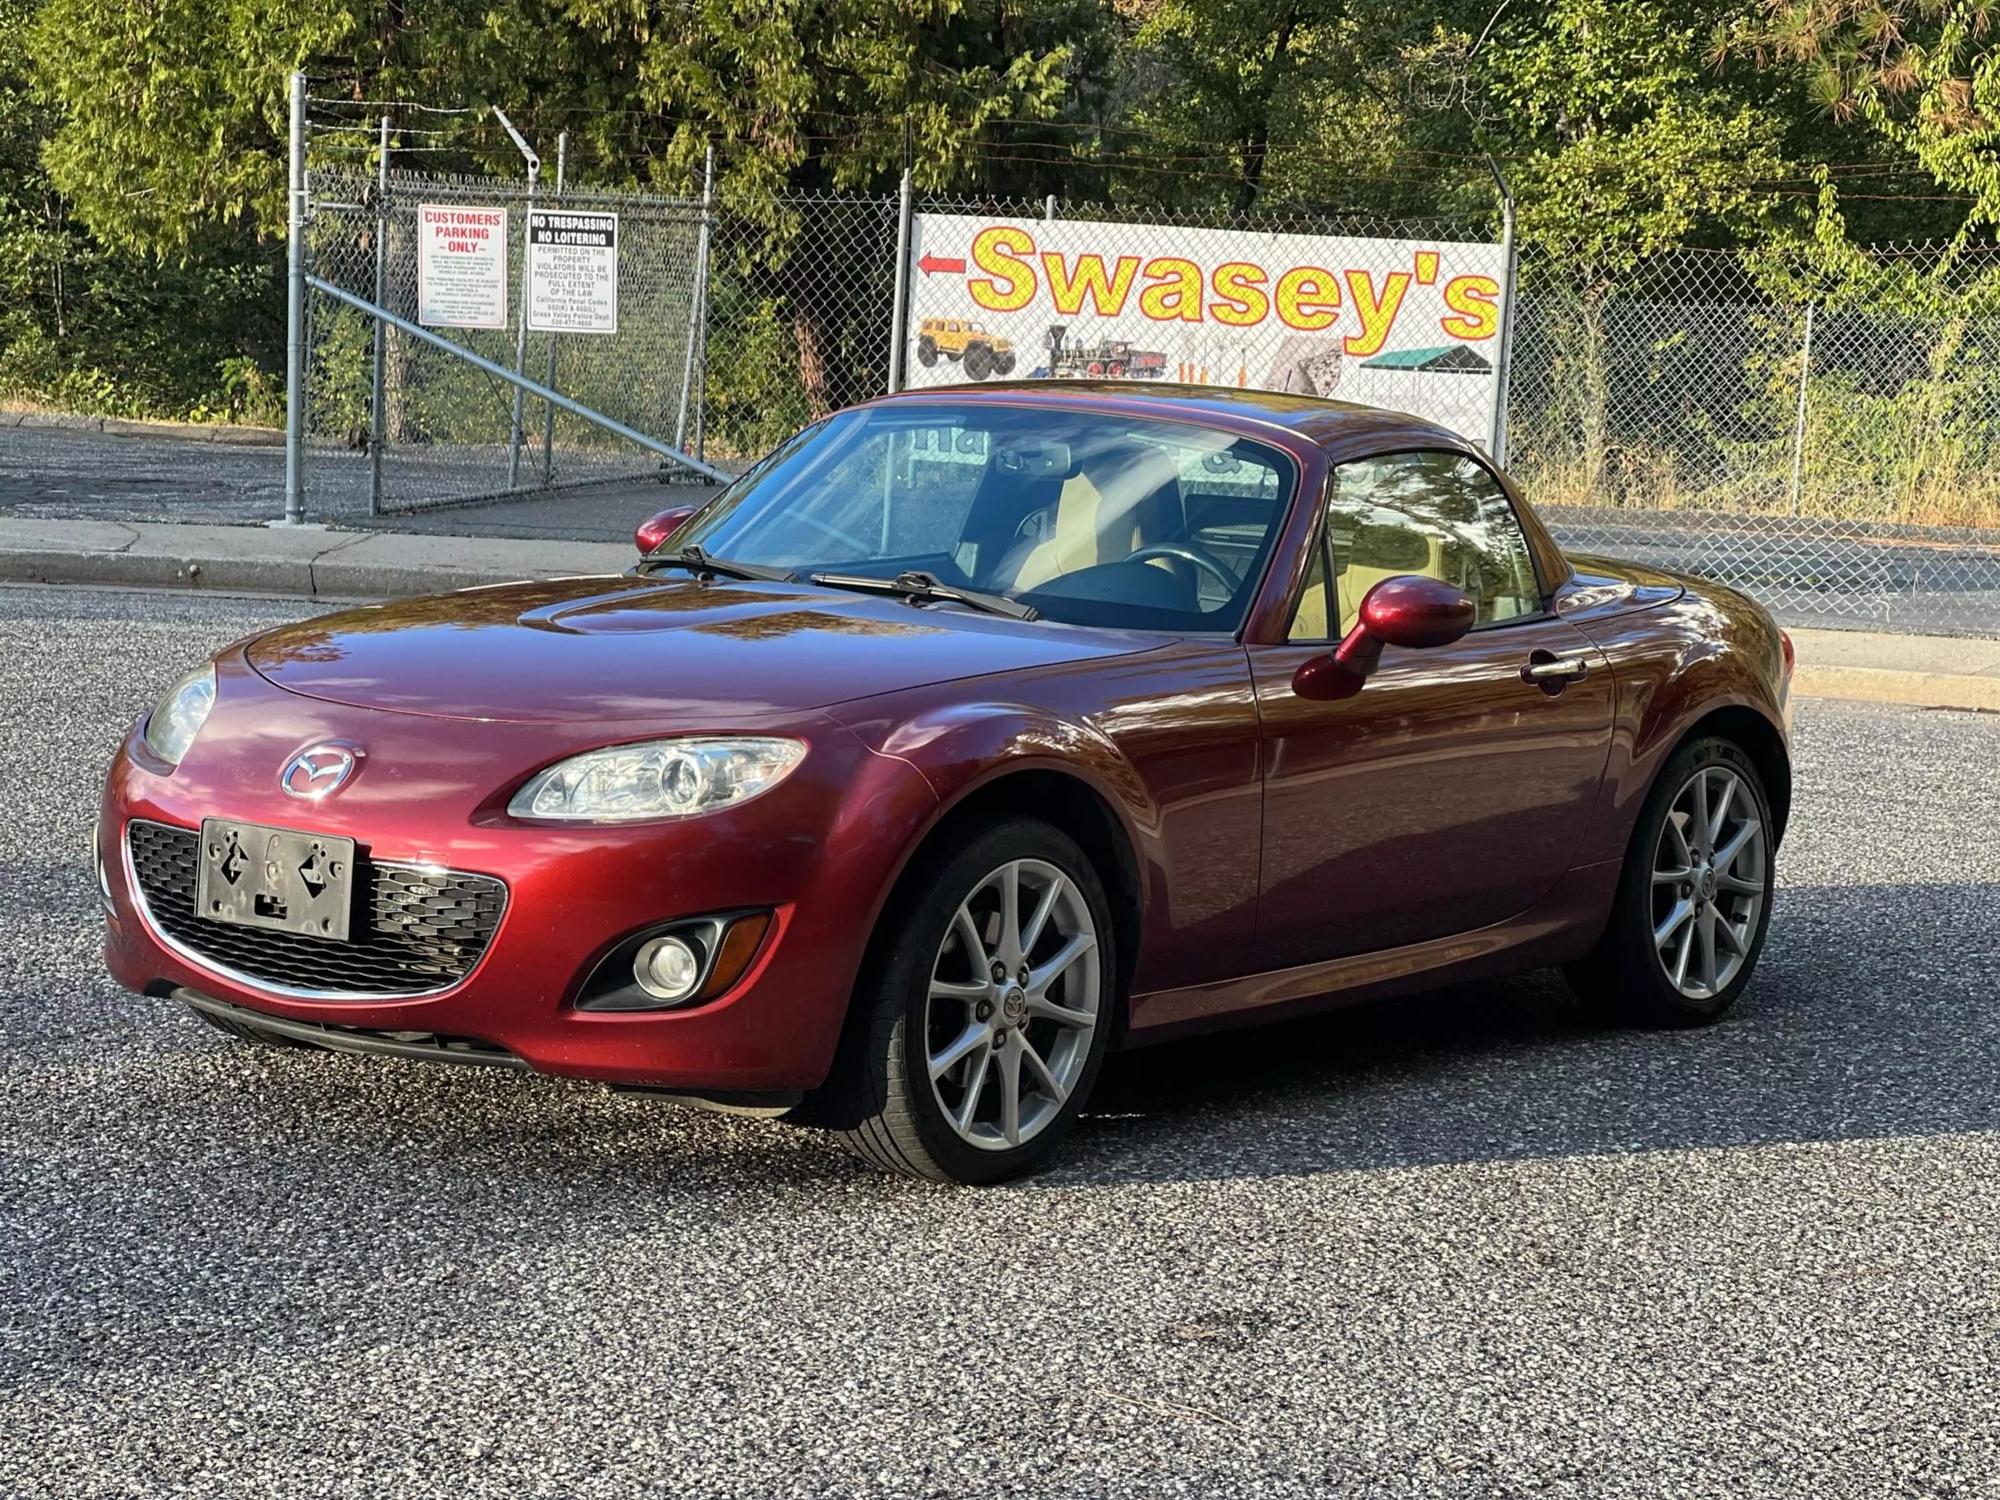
(1407, 325)
(461, 266)
(572, 272)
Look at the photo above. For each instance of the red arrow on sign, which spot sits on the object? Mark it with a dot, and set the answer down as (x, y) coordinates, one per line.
(931, 263)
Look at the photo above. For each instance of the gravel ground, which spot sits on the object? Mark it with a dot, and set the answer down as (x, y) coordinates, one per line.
(1463, 1246)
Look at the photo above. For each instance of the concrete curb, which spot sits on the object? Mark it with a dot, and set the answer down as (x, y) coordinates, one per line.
(306, 561)
(190, 432)
(1890, 685)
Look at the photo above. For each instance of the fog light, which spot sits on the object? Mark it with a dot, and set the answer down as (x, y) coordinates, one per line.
(667, 969)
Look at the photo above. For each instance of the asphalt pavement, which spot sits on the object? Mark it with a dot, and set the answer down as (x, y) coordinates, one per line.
(1461, 1246)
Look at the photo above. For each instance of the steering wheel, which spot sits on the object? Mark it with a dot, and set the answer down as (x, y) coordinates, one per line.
(1188, 552)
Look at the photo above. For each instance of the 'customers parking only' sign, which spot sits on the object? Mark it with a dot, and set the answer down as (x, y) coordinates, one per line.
(572, 272)
(461, 266)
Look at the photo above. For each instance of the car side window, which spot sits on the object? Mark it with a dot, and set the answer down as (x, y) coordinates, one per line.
(1438, 514)
(1314, 614)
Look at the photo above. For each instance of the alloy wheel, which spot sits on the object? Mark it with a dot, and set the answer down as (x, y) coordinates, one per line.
(1708, 882)
(1012, 1003)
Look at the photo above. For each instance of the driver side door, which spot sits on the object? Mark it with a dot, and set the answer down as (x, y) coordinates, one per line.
(1451, 791)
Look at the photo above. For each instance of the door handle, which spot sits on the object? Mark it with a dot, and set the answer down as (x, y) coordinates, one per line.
(1542, 667)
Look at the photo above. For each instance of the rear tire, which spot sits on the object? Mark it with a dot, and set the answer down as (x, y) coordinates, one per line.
(257, 1036)
(940, 1033)
(1693, 902)
(927, 351)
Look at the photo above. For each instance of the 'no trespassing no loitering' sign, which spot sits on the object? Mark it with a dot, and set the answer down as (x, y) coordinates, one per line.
(572, 272)
(461, 266)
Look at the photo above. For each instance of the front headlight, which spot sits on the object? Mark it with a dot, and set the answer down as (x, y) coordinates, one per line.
(657, 779)
(178, 717)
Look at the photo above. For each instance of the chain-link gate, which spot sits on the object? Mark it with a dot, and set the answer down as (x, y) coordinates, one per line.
(410, 426)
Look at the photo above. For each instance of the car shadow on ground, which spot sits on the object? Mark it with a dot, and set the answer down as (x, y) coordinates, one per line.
(1870, 1015)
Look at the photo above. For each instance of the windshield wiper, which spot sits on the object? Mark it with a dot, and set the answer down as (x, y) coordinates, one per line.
(697, 561)
(920, 585)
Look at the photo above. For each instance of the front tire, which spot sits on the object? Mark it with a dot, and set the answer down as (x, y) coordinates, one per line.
(1694, 898)
(984, 1013)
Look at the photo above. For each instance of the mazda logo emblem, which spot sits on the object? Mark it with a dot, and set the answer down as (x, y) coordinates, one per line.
(318, 770)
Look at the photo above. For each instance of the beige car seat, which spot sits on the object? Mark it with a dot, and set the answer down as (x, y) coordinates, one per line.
(1108, 509)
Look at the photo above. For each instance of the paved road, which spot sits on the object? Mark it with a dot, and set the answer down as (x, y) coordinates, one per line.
(1457, 1247)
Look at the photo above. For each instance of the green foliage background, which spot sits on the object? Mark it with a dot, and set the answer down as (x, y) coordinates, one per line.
(141, 143)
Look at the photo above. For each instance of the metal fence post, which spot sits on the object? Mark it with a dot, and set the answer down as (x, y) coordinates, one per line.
(1503, 371)
(295, 313)
(549, 375)
(1799, 420)
(377, 397)
(697, 324)
(1049, 210)
(899, 315)
(518, 435)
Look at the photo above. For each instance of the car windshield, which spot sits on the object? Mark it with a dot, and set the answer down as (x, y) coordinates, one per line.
(1093, 519)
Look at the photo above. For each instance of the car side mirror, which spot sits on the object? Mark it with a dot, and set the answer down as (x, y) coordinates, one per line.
(657, 527)
(1407, 610)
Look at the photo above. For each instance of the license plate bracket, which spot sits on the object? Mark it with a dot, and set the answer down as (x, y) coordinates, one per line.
(275, 878)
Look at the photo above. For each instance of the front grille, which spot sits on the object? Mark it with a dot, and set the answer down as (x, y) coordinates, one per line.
(412, 930)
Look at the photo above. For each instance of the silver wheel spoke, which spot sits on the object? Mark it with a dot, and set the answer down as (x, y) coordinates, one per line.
(952, 989)
(975, 945)
(1009, 947)
(1040, 979)
(1705, 927)
(970, 1103)
(1076, 1020)
(1681, 849)
(1738, 884)
(1701, 808)
(1010, 1089)
(1051, 1089)
(1040, 919)
(1726, 856)
(1673, 877)
(962, 1047)
(1681, 912)
(1722, 809)
(1726, 930)
(1681, 959)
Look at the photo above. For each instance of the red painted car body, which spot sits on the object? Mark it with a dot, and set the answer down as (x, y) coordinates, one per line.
(1267, 851)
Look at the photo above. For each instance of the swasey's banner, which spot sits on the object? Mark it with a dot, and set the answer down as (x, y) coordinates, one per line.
(1408, 325)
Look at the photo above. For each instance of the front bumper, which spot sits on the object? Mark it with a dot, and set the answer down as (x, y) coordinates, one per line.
(819, 851)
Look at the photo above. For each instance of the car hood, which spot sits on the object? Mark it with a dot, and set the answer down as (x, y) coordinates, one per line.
(651, 649)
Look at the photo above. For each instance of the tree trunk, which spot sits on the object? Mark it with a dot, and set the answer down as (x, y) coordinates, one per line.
(809, 331)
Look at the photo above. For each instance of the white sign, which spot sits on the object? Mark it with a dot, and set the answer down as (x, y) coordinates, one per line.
(461, 266)
(1410, 325)
(572, 272)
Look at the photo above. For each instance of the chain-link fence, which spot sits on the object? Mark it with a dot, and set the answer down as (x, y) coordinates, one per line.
(1840, 462)
(1842, 465)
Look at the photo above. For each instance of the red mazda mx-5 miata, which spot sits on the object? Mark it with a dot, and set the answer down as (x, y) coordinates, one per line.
(967, 736)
